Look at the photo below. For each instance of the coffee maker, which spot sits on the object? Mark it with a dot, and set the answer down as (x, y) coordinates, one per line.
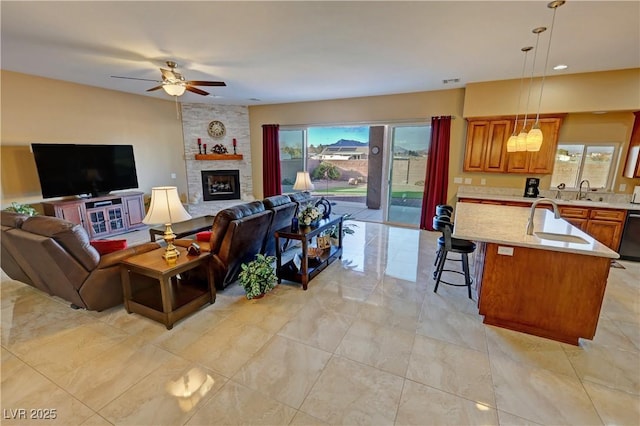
(531, 188)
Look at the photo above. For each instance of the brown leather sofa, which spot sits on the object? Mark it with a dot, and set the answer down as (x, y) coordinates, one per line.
(56, 257)
(237, 235)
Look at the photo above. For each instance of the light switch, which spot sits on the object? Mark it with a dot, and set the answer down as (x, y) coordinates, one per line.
(483, 181)
(467, 181)
(457, 180)
(505, 251)
(622, 187)
(173, 175)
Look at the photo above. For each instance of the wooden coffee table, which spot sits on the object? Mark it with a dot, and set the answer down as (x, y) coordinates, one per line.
(187, 227)
(155, 289)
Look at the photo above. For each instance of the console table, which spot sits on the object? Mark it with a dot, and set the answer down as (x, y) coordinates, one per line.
(309, 267)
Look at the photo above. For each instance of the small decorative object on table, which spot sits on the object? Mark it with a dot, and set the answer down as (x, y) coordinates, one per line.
(258, 276)
(324, 242)
(309, 215)
(234, 146)
(199, 146)
(205, 149)
(219, 149)
(324, 206)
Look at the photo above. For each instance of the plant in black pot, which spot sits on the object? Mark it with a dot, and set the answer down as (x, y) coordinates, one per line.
(347, 228)
(22, 209)
(258, 276)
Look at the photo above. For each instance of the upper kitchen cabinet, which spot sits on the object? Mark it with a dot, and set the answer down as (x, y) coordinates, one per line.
(632, 167)
(540, 162)
(486, 149)
(487, 145)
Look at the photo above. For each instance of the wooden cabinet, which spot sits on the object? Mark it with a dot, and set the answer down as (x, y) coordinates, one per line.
(605, 225)
(540, 162)
(104, 221)
(487, 145)
(632, 167)
(134, 210)
(73, 211)
(486, 149)
(101, 216)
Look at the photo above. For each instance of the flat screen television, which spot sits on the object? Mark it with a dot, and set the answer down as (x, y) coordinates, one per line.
(85, 170)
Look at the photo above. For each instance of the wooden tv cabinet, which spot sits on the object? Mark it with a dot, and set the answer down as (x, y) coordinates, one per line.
(101, 216)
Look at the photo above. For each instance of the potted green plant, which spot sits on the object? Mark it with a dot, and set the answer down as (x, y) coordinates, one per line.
(258, 276)
(22, 209)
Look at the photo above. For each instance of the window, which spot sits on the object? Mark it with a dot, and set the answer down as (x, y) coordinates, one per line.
(594, 162)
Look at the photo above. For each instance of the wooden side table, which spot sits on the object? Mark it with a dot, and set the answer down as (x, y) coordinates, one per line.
(309, 268)
(155, 289)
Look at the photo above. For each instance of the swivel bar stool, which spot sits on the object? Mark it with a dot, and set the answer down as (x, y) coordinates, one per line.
(452, 245)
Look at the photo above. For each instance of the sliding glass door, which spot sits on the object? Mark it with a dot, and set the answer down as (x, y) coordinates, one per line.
(409, 148)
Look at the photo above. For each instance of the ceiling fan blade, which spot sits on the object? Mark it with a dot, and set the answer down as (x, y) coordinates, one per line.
(206, 83)
(196, 90)
(134, 78)
(155, 88)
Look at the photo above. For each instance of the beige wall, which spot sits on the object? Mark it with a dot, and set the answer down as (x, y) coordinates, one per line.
(617, 91)
(37, 109)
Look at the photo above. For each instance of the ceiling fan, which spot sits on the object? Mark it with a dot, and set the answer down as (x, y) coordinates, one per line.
(175, 84)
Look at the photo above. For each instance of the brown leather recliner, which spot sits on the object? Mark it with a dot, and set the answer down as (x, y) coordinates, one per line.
(283, 211)
(56, 257)
(237, 235)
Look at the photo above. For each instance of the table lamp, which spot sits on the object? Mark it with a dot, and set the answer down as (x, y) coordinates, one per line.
(303, 182)
(166, 208)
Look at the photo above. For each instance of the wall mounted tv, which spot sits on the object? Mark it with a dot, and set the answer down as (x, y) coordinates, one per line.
(85, 170)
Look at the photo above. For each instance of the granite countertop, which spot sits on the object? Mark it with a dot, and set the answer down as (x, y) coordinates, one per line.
(507, 225)
(576, 203)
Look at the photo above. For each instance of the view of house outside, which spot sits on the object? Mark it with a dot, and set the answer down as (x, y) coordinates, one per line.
(575, 162)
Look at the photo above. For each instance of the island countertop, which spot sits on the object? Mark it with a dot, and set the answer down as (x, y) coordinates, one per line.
(507, 225)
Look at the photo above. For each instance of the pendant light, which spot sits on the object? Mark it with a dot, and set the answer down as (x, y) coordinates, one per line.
(534, 138)
(511, 142)
(521, 142)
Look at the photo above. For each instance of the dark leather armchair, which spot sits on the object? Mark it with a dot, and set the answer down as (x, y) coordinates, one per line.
(283, 211)
(56, 257)
(237, 235)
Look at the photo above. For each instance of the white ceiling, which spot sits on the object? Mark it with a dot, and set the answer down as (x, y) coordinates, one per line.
(300, 51)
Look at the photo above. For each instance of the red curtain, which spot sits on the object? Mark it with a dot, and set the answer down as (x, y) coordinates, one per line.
(437, 178)
(271, 160)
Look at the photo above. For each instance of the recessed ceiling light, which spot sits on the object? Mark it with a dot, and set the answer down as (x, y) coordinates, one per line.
(560, 67)
(599, 112)
(255, 99)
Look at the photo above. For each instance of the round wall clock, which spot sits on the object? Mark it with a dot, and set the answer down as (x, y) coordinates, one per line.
(216, 129)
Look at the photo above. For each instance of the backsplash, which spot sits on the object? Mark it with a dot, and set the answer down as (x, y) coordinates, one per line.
(607, 197)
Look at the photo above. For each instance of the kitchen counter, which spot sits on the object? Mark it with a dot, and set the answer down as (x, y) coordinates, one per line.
(584, 203)
(507, 225)
(547, 288)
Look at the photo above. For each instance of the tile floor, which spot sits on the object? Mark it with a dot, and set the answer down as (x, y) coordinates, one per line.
(368, 343)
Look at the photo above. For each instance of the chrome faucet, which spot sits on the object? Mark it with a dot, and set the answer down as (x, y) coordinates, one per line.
(556, 212)
(580, 195)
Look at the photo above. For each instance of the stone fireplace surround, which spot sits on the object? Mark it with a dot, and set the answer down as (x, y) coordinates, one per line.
(195, 119)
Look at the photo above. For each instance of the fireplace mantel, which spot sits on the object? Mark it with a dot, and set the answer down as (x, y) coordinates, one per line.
(218, 157)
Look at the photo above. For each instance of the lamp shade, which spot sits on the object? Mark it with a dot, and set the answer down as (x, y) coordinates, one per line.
(174, 89)
(534, 139)
(303, 182)
(521, 141)
(165, 207)
(511, 143)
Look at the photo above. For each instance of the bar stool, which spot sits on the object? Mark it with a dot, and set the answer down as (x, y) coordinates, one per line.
(452, 245)
(444, 212)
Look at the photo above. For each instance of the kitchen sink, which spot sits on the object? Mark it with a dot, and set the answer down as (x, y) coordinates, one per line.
(565, 238)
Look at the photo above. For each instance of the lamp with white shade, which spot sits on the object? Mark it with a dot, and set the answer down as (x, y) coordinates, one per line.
(166, 209)
(303, 182)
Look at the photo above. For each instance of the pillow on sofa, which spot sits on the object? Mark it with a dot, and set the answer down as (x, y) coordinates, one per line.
(203, 236)
(108, 246)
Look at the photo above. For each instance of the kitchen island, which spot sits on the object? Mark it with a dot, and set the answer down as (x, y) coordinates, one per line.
(550, 284)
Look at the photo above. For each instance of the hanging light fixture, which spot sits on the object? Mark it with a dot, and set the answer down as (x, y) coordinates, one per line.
(511, 142)
(174, 89)
(534, 138)
(521, 142)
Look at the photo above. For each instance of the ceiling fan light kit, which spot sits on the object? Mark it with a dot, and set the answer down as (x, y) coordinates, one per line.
(174, 83)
